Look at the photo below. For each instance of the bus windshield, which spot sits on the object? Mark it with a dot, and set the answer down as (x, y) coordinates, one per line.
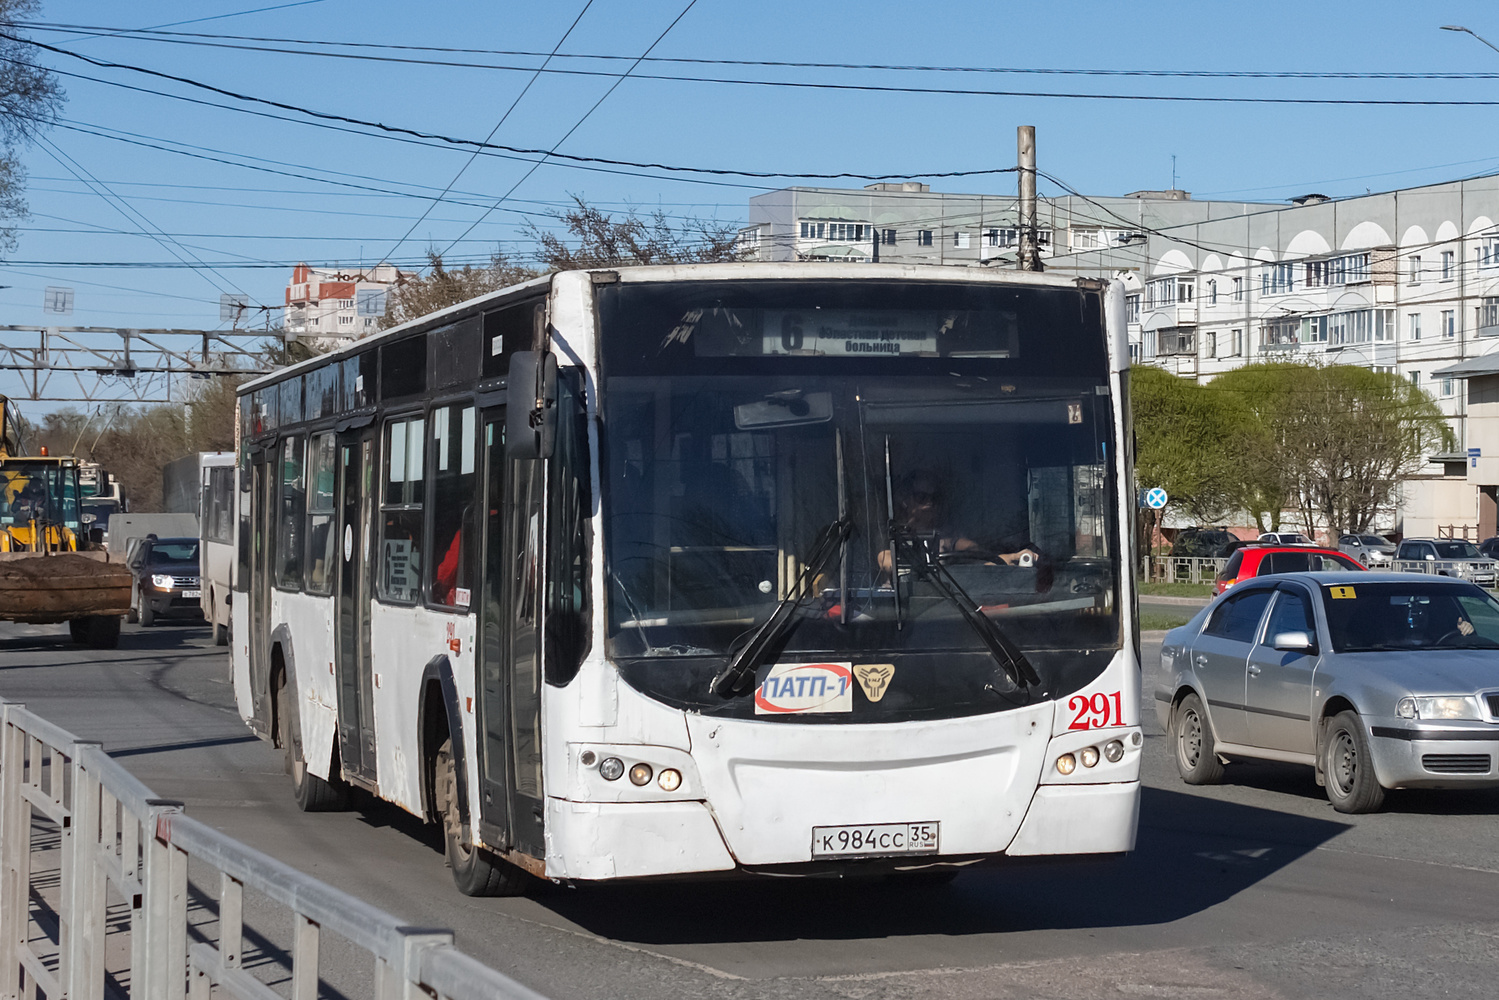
(956, 470)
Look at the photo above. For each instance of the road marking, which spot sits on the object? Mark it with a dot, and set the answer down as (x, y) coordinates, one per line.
(1414, 861)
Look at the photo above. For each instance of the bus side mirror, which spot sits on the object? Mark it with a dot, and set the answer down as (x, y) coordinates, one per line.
(531, 410)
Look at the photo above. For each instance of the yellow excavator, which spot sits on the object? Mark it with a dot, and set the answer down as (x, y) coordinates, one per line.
(48, 571)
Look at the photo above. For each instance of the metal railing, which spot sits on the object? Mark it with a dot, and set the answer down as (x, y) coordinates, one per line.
(1465, 569)
(1181, 569)
(114, 839)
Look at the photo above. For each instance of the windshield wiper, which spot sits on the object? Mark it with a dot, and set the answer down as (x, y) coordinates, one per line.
(929, 568)
(741, 667)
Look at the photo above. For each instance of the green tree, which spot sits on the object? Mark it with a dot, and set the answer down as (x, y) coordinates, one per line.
(1336, 441)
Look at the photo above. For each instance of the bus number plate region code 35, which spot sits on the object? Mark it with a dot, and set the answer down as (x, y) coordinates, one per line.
(878, 840)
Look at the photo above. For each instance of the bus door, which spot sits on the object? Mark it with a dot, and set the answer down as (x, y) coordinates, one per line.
(509, 661)
(356, 715)
(262, 514)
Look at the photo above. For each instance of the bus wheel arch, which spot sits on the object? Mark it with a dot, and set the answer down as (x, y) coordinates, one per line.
(439, 720)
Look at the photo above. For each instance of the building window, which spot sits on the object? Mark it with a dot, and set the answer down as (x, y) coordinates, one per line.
(1210, 345)
(1212, 291)
(1184, 290)
(1132, 308)
(346, 303)
(1278, 279)
(1415, 378)
(1449, 265)
(1160, 293)
(1176, 340)
(1236, 343)
(1238, 289)
(924, 237)
(346, 321)
(1449, 323)
(845, 232)
(1413, 326)
(960, 241)
(887, 237)
(1488, 252)
(1415, 270)
(1002, 237)
(814, 230)
(1281, 334)
(1384, 325)
(1087, 239)
(1488, 314)
(1446, 387)
(1343, 270)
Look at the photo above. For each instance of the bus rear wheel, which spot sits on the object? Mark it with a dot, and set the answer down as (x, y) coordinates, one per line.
(476, 872)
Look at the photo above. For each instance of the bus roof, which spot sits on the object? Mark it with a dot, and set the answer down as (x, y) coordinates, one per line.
(746, 271)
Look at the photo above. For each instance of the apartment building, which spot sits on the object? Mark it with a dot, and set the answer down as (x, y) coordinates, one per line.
(337, 303)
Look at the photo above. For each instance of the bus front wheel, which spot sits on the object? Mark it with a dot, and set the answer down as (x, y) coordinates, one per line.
(312, 793)
(476, 872)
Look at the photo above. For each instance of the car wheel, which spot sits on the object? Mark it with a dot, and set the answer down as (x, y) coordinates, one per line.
(1192, 737)
(144, 614)
(1347, 769)
(476, 871)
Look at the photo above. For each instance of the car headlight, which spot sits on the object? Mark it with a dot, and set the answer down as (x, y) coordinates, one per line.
(162, 580)
(1444, 707)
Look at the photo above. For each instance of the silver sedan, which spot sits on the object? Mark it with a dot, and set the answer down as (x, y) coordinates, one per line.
(1377, 680)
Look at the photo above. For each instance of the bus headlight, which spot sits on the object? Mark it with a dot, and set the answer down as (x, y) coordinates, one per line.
(1066, 764)
(611, 768)
(640, 774)
(162, 581)
(670, 780)
(1112, 751)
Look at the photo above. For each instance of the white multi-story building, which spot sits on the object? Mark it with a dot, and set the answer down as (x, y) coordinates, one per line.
(326, 302)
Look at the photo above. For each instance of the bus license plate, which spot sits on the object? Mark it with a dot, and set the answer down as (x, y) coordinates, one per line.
(193, 593)
(874, 841)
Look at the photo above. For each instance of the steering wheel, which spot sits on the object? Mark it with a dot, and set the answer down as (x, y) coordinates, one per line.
(1449, 635)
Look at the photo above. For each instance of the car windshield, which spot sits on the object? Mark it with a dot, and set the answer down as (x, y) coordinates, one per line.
(1392, 616)
(177, 551)
(1372, 540)
(1457, 550)
(770, 420)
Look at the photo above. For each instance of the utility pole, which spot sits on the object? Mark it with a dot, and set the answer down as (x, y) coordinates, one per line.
(1025, 144)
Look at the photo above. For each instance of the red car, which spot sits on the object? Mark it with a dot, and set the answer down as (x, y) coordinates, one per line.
(1264, 560)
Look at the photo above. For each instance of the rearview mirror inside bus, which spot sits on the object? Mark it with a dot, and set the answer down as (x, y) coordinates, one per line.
(530, 430)
(785, 409)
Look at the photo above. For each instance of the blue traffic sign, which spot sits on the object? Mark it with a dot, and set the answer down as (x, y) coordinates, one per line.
(1155, 498)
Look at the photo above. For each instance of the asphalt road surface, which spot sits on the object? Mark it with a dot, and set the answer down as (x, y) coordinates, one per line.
(1254, 888)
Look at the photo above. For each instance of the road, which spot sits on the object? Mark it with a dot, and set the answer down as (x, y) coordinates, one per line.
(1255, 888)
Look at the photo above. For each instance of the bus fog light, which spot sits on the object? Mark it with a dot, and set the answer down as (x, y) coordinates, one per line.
(612, 768)
(1089, 756)
(587, 757)
(670, 780)
(1066, 763)
(640, 774)
(1135, 738)
(1113, 750)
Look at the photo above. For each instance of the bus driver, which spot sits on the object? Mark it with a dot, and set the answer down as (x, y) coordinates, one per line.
(921, 510)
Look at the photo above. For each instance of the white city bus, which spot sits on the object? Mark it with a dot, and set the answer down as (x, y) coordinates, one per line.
(762, 568)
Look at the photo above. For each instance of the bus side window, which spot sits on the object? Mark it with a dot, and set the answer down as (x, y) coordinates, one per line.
(321, 542)
(401, 511)
(293, 500)
(451, 570)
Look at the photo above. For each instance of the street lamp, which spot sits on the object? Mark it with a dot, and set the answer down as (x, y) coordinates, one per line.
(1470, 31)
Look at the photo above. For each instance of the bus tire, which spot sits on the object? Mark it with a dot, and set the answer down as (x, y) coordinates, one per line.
(476, 872)
(313, 794)
(101, 631)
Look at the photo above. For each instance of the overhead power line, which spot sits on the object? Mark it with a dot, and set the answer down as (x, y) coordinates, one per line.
(453, 140)
(226, 41)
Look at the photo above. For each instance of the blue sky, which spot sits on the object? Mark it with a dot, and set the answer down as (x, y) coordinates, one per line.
(224, 214)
